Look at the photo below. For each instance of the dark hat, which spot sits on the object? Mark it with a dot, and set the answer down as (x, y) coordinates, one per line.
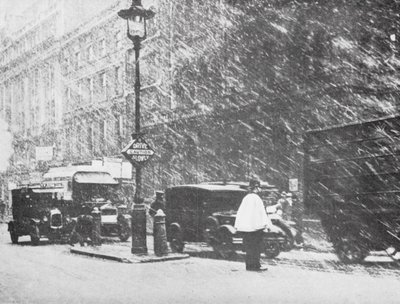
(254, 182)
(159, 193)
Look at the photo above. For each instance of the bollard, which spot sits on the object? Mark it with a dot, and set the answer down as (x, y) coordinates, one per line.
(96, 229)
(138, 226)
(160, 234)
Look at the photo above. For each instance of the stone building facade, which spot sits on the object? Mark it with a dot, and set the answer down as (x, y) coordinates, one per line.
(73, 89)
(44, 79)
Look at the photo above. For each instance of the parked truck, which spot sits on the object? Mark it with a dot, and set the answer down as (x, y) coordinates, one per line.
(51, 209)
(352, 181)
(37, 212)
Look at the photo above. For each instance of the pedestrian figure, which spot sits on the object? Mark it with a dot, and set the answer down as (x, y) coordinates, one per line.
(251, 220)
(158, 203)
(2, 209)
(284, 204)
(83, 230)
(297, 215)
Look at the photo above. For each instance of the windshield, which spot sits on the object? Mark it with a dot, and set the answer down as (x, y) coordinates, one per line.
(109, 212)
(95, 193)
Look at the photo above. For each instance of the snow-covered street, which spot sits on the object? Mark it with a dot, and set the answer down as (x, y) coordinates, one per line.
(50, 274)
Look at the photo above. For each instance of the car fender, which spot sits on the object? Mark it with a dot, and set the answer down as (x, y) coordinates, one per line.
(55, 211)
(124, 217)
(211, 222)
(228, 228)
(275, 230)
(175, 227)
(34, 221)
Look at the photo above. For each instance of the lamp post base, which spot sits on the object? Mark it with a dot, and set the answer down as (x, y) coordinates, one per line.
(139, 237)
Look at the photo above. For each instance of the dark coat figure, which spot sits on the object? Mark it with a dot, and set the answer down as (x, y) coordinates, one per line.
(158, 203)
(2, 209)
(83, 230)
(298, 211)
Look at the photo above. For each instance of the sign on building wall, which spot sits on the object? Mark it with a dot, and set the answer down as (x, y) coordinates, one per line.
(44, 153)
(117, 167)
(293, 184)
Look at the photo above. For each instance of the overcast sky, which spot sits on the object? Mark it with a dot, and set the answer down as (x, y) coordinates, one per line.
(8, 6)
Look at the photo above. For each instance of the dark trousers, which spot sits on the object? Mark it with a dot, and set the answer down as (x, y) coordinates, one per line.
(252, 242)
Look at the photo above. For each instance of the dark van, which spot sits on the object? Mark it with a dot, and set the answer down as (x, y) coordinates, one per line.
(189, 206)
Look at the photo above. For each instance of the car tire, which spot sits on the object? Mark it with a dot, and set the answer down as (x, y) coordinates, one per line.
(288, 244)
(51, 237)
(124, 232)
(210, 230)
(350, 251)
(223, 245)
(35, 236)
(176, 240)
(271, 249)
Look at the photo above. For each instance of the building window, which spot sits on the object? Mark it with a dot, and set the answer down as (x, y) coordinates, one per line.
(120, 126)
(103, 126)
(3, 97)
(67, 65)
(102, 47)
(90, 138)
(50, 76)
(91, 89)
(89, 53)
(79, 92)
(78, 143)
(78, 59)
(118, 42)
(103, 82)
(68, 98)
(118, 80)
(53, 109)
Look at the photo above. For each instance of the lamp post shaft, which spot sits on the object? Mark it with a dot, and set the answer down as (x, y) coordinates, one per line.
(139, 239)
(137, 45)
(133, 14)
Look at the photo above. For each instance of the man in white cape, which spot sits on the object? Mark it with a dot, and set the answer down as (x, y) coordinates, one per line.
(251, 220)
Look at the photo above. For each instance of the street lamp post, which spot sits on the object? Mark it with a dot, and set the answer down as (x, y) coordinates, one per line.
(136, 17)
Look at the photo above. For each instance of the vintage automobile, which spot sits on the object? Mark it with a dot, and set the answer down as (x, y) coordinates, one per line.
(115, 221)
(50, 209)
(225, 240)
(189, 208)
(36, 212)
(352, 182)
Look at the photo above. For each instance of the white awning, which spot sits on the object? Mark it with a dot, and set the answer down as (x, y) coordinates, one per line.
(94, 178)
(48, 190)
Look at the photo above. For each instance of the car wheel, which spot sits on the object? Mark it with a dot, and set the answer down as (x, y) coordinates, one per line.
(124, 233)
(176, 240)
(35, 236)
(211, 227)
(350, 251)
(14, 236)
(271, 249)
(288, 244)
(52, 238)
(223, 245)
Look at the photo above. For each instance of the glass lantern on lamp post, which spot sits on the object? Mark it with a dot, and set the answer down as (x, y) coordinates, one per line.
(136, 17)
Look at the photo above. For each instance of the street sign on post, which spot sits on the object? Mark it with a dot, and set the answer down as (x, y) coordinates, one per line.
(138, 152)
